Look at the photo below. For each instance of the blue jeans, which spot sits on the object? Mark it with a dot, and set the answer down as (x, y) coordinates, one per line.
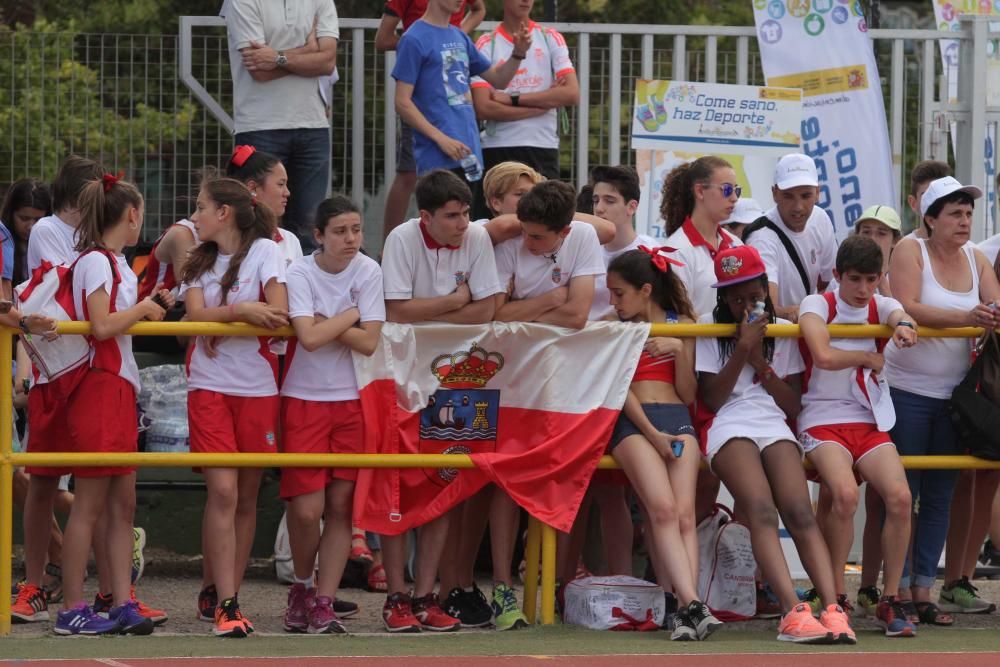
(305, 153)
(923, 428)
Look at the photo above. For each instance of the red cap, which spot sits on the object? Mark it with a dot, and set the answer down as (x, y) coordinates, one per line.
(738, 265)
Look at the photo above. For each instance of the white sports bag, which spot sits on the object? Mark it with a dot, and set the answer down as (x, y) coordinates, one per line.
(726, 567)
(614, 603)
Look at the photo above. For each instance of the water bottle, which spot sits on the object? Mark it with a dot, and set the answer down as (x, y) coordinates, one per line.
(473, 170)
(758, 310)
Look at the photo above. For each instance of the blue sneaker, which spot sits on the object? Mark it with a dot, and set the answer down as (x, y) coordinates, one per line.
(130, 621)
(81, 620)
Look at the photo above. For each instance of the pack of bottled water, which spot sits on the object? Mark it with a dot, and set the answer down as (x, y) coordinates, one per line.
(164, 400)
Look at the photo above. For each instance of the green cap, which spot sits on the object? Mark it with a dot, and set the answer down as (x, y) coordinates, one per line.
(884, 214)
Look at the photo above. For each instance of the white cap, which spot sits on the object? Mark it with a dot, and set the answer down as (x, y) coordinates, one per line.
(943, 187)
(746, 211)
(794, 170)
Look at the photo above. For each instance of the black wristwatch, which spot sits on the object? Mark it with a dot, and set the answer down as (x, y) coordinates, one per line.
(906, 323)
(515, 99)
(23, 323)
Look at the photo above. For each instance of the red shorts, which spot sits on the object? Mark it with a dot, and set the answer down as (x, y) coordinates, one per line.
(224, 424)
(48, 430)
(319, 427)
(102, 419)
(857, 440)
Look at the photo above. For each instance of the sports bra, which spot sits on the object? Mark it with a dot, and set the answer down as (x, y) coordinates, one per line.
(657, 369)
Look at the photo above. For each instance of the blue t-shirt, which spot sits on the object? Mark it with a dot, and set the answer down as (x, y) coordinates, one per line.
(7, 244)
(439, 63)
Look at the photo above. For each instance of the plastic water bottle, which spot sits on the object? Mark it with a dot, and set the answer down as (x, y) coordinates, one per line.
(473, 170)
(758, 310)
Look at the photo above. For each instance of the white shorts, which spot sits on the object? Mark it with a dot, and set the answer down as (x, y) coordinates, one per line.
(721, 433)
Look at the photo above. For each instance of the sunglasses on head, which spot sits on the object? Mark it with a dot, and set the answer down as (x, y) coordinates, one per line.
(727, 189)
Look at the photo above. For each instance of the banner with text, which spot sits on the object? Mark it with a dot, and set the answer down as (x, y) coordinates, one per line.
(822, 47)
(678, 121)
(946, 14)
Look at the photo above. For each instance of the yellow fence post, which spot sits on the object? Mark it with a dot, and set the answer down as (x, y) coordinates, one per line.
(532, 551)
(548, 575)
(6, 481)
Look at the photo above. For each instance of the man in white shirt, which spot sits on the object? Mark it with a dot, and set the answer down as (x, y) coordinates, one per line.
(550, 271)
(522, 120)
(795, 220)
(436, 267)
(278, 54)
(615, 198)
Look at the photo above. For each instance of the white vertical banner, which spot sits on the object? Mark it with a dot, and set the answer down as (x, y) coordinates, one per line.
(822, 47)
(947, 14)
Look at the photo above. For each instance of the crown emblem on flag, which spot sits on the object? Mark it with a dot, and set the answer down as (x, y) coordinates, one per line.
(466, 370)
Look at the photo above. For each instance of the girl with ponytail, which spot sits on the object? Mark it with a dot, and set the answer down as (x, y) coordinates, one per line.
(237, 274)
(697, 197)
(653, 440)
(101, 414)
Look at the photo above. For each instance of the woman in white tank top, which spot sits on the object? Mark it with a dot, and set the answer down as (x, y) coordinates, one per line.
(942, 281)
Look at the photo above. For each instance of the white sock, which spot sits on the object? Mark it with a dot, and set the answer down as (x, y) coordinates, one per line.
(308, 582)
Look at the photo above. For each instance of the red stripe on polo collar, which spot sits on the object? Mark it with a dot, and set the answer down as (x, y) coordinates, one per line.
(431, 243)
(696, 239)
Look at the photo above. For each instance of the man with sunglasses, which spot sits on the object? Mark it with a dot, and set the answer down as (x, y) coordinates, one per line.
(795, 238)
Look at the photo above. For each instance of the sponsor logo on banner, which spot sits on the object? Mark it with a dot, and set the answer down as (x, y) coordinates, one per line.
(461, 417)
(679, 121)
(844, 124)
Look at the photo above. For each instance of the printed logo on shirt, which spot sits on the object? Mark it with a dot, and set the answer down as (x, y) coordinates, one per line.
(354, 296)
(455, 74)
(812, 256)
(461, 277)
(236, 286)
(731, 265)
(269, 437)
(557, 275)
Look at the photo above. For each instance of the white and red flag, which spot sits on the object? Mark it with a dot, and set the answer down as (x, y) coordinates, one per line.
(533, 404)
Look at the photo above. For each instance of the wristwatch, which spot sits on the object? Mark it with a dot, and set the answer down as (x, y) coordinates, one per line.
(281, 60)
(515, 99)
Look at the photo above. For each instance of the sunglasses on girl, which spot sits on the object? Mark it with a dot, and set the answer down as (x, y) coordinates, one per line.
(728, 189)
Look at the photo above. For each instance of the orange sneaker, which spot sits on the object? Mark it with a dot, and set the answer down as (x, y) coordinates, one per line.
(800, 627)
(158, 616)
(228, 620)
(835, 619)
(30, 605)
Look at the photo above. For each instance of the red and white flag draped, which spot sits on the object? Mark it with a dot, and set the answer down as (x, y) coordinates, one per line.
(534, 405)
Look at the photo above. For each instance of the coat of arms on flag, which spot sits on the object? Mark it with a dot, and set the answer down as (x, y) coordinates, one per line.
(462, 416)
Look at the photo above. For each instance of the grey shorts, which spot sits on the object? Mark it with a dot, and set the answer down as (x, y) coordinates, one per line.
(404, 148)
(672, 418)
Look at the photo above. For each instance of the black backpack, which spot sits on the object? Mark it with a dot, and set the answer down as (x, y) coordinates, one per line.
(977, 418)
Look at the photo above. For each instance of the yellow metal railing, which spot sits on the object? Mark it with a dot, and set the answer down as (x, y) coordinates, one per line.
(540, 549)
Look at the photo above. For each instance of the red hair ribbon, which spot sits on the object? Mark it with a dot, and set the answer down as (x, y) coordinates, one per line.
(241, 154)
(661, 262)
(110, 180)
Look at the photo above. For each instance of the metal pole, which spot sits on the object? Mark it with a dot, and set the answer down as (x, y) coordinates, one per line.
(6, 483)
(548, 575)
(532, 552)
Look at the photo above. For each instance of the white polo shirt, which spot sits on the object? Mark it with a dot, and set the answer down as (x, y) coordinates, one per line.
(601, 307)
(415, 267)
(817, 248)
(750, 409)
(546, 61)
(51, 240)
(243, 365)
(698, 272)
(327, 374)
(534, 275)
(93, 273)
(828, 398)
(293, 101)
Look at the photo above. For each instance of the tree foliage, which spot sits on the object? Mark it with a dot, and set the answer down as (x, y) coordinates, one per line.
(51, 105)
